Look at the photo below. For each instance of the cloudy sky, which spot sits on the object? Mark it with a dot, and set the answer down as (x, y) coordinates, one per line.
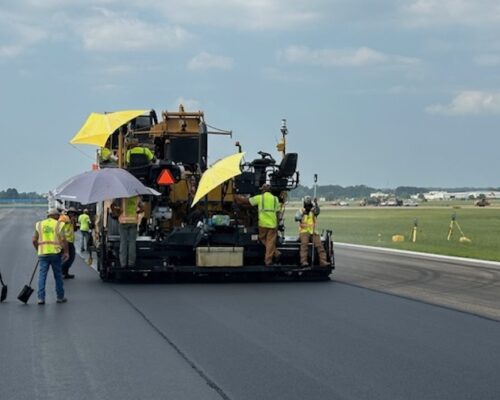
(376, 92)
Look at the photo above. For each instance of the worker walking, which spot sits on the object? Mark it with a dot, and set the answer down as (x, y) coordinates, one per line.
(69, 219)
(128, 210)
(49, 240)
(268, 206)
(307, 217)
(84, 224)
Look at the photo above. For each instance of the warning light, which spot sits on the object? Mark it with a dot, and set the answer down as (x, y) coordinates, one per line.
(165, 178)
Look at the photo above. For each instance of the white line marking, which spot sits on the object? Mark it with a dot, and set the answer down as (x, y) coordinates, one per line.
(417, 254)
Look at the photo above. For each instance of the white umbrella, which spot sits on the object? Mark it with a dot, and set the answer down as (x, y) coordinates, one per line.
(102, 184)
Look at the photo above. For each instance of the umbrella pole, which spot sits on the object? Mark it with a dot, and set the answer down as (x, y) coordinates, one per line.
(120, 149)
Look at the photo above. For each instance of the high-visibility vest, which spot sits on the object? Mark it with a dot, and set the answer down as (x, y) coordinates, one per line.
(49, 236)
(84, 221)
(105, 154)
(268, 207)
(68, 230)
(139, 150)
(307, 223)
(129, 210)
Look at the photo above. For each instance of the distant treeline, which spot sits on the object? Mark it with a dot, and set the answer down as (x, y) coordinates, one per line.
(13, 194)
(335, 192)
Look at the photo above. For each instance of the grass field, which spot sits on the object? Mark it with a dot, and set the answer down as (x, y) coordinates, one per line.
(376, 226)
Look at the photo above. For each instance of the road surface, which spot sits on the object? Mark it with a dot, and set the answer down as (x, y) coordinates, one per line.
(275, 340)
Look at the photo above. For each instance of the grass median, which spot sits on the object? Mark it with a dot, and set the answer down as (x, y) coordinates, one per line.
(376, 226)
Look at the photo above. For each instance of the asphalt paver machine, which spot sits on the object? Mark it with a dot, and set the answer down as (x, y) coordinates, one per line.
(216, 237)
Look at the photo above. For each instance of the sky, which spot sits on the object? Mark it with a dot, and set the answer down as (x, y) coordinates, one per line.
(377, 92)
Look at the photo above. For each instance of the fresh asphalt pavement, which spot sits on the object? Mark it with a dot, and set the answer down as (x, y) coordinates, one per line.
(471, 286)
(265, 340)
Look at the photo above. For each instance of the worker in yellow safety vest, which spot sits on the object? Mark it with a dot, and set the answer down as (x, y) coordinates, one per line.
(268, 208)
(106, 156)
(49, 240)
(84, 223)
(136, 149)
(307, 218)
(69, 219)
(128, 210)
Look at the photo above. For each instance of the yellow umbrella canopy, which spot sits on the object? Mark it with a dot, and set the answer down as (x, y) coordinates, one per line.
(223, 170)
(98, 127)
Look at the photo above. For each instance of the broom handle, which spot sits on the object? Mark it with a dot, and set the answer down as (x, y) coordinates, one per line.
(1, 280)
(34, 271)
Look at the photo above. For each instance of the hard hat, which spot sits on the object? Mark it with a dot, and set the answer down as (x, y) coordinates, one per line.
(53, 211)
(86, 210)
(307, 200)
(72, 210)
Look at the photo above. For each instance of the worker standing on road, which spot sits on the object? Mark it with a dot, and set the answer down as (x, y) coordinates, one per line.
(49, 240)
(268, 206)
(84, 224)
(128, 210)
(307, 217)
(69, 219)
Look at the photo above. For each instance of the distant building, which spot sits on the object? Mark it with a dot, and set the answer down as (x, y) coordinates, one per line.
(379, 195)
(435, 195)
(440, 195)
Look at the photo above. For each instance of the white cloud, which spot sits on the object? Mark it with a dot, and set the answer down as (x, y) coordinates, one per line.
(10, 51)
(470, 102)
(113, 32)
(205, 61)
(238, 14)
(478, 13)
(18, 35)
(241, 14)
(362, 56)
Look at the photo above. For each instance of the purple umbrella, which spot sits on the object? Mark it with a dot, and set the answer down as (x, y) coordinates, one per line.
(102, 184)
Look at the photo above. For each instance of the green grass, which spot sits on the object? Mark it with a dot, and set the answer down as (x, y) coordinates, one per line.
(376, 226)
(23, 205)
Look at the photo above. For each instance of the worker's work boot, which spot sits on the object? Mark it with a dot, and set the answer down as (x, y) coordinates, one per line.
(68, 276)
(41, 302)
(62, 300)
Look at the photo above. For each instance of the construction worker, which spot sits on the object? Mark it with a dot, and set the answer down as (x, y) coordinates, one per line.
(69, 219)
(84, 225)
(307, 218)
(268, 206)
(106, 156)
(128, 210)
(136, 149)
(49, 240)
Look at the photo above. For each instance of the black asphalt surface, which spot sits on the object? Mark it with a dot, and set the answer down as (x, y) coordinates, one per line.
(274, 340)
(470, 286)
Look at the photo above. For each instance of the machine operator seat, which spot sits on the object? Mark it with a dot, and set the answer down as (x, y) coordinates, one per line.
(283, 177)
(139, 166)
(288, 166)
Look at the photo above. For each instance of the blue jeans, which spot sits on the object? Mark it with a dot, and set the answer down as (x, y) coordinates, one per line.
(85, 240)
(66, 265)
(46, 261)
